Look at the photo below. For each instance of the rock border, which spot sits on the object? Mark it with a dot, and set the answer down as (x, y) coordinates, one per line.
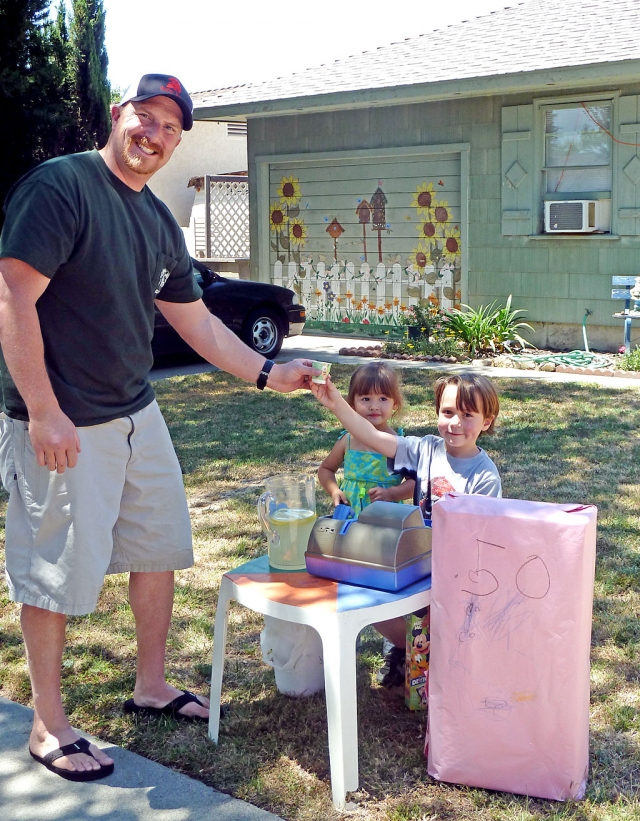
(501, 361)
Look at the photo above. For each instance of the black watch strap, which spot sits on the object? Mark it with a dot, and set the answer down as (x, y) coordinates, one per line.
(264, 374)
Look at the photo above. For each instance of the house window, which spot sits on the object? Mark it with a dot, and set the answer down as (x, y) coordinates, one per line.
(577, 148)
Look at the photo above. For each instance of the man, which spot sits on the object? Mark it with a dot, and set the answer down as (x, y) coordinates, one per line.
(94, 483)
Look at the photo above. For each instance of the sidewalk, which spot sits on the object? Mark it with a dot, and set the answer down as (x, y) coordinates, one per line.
(308, 346)
(138, 790)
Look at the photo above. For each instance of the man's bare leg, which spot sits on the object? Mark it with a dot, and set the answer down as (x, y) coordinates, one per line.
(44, 635)
(151, 599)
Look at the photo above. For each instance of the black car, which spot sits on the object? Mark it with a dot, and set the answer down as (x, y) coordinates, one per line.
(261, 314)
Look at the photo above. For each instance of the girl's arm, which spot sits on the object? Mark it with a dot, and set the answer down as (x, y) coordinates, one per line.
(393, 494)
(327, 472)
(358, 426)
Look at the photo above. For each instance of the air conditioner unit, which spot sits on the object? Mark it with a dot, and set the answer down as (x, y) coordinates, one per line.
(577, 216)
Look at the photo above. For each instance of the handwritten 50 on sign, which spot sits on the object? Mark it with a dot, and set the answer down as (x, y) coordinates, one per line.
(512, 590)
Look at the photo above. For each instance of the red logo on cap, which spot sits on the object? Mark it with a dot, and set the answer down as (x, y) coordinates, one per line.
(173, 85)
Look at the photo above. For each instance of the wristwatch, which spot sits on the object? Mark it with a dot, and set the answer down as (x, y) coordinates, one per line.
(264, 374)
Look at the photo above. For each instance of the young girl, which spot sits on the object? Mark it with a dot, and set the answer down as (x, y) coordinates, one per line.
(375, 395)
(467, 406)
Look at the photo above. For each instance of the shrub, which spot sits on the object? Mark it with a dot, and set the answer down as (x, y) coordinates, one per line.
(630, 361)
(424, 347)
(487, 329)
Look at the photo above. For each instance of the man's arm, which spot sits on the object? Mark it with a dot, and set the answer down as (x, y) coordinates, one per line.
(209, 337)
(53, 434)
(358, 426)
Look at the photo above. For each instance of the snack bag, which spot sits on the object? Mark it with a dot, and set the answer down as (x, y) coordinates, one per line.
(417, 665)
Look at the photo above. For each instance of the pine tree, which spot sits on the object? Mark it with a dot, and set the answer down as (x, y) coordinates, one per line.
(88, 65)
(31, 108)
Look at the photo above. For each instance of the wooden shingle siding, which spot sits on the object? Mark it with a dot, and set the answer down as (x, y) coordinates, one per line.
(627, 170)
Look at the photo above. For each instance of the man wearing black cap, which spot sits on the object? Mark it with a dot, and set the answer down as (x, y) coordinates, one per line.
(94, 484)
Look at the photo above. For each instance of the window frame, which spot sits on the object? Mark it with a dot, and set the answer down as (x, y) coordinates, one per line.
(540, 195)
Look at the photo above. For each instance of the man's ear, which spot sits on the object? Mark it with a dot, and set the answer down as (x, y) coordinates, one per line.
(115, 113)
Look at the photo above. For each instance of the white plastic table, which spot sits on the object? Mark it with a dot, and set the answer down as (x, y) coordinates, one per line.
(338, 612)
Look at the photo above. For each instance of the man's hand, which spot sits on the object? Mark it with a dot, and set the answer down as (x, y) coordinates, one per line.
(55, 441)
(291, 376)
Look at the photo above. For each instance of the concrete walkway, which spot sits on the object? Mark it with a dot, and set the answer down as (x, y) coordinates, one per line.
(326, 348)
(138, 790)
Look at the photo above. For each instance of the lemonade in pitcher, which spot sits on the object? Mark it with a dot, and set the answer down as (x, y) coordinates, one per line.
(292, 527)
(287, 511)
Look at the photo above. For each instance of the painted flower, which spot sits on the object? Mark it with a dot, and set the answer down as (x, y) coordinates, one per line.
(326, 286)
(297, 232)
(277, 216)
(419, 258)
(423, 198)
(364, 300)
(289, 190)
(428, 234)
(380, 310)
(349, 295)
(365, 322)
(441, 212)
(317, 292)
(451, 245)
(396, 301)
(346, 319)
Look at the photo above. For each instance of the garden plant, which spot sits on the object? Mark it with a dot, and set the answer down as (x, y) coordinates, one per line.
(556, 442)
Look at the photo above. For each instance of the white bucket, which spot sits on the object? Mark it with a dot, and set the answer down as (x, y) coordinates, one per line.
(295, 653)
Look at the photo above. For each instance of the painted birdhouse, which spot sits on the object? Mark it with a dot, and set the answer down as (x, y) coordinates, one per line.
(364, 212)
(335, 229)
(378, 202)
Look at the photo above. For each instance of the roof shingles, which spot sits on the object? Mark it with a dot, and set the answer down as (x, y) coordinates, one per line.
(528, 36)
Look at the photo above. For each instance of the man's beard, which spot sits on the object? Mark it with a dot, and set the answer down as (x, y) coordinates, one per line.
(134, 161)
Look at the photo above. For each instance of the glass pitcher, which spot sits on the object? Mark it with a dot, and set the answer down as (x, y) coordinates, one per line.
(287, 512)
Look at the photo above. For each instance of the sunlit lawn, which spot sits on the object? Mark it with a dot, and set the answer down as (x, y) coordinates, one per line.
(556, 443)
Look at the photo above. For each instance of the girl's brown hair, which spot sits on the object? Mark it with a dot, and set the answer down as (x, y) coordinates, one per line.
(476, 394)
(376, 377)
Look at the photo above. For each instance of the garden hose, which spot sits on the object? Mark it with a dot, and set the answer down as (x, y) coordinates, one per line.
(574, 359)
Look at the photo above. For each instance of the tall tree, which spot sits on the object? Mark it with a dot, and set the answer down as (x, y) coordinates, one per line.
(31, 109)
(88, 65)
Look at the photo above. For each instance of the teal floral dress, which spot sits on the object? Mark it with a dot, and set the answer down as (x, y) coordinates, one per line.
(364, 470)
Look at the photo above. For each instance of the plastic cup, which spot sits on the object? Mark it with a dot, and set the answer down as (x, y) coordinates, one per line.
(325, 367)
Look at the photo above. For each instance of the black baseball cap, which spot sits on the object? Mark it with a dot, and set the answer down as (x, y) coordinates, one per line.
(161, 85)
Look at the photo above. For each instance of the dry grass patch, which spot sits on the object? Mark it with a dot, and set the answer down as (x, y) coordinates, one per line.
(555, 443)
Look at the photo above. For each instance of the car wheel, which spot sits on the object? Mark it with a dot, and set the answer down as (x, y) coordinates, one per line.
(262, 331)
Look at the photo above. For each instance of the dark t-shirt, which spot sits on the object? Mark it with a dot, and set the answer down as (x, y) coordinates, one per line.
(109, 251)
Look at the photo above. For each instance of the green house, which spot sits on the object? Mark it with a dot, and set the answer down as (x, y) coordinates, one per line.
(494, 157)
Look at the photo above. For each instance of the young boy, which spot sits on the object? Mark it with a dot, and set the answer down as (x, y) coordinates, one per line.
(467, 406)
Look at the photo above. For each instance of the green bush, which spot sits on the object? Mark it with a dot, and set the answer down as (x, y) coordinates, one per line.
(424, 347)
(487, 329)
(630, 361)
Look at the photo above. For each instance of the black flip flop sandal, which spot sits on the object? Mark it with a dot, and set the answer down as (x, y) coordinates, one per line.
(79, 746)
(171, 709)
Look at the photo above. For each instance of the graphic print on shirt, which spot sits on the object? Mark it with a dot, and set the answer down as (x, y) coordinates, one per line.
(439, 486)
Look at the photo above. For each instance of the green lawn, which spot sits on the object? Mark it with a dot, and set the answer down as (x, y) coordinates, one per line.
(555, 443)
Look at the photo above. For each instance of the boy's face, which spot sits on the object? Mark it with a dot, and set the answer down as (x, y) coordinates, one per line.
(460, 429)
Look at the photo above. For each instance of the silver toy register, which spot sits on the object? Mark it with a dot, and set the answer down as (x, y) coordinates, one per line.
(387, 547)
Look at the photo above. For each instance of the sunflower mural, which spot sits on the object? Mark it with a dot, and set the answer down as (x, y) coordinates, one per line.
(290, 231)
(338, 275)
(436, 257)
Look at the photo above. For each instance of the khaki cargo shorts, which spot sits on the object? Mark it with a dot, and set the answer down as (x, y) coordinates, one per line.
(122, 508)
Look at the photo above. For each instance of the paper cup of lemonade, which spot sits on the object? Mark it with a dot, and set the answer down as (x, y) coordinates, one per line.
(321, 378)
